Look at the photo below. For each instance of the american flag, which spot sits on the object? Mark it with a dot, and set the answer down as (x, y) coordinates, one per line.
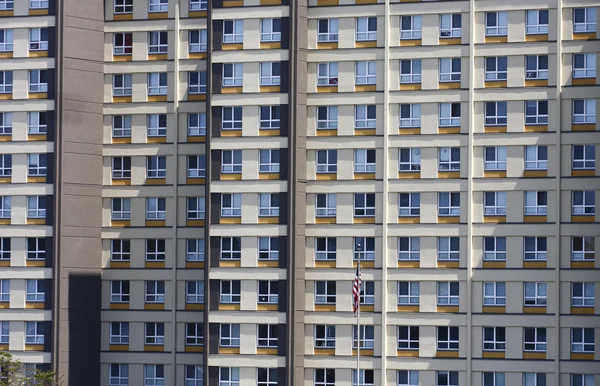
(356, 289)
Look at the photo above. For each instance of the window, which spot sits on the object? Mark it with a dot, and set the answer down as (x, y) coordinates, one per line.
(5, 248)
(154, 375)
(35, 291)
(229, 376)
(326, 205)
(5, 118)
(495, 158)
(494, 204)
(119, 333)
(493, 379)
(327, 30)
(232, 118)
(408, 293)
(448, 248)
(366, 73)
(231, 248)
(229, 335)
(232, 74)
(38, 81)
(408, 377)
(367, 291)
(38, 39)
(582, 340)
(536, 157)
(268, 204)
(231, 205)
(36, 207)
(409, 248)
(155, 250)
(584, 66)
(535, 294)
(122, 85)
(157, 83)
(411, 27)
(196, 166)
(327, 117)
(536, 203)
(365, 116)
(198, 40)
(5, 207)
(6, 87)
(123, 6)
(582, 248)
(582, 379)
(450, 70)
(447, 293)
(324, 336)
(267, 335)
(121, 126)
(325, 292)
(447, 338)
(155, 291)
(198, 5)
(536, 67)
(496, 68)
(537, 22)
(584, 111)
(449, 159)
(364, 204)
(6, 164)
(194, 375)
(410, 71)
(34, 332)
(535, 248)
(366, 29)
(494, 339)
(409, 204)
(325, 248)
(408, 337)
(327, 161)
(195, 250)
(197, 124)
(156, 167)
(409, 160)
(268, 291)
(158, 42)
(196, 208)
(197, 85)
(194, 334)
(6, 39)
(123, 43)
(536, 112)
(268, 248)
(447, 378)
(118, 374)
(156, 125)
(495, 114)
(584, 157)
(121, 168)
(120, 250)
(324, 377)
(156, 208)
(4, 290)
(233, 31)
(534, 339)
(365, 378)
(496, 23)
(267, 377)
(158, 6)
(270, 117)
(269, 161)
(410, 115)
(534, 379)
(450, 25)
(120, 209)
(449, 114)
(119, 291)
(367, 337)
(194, 292)
(494, 294)
(449, 204)
(327, 74)
(584, 202)
(270, 30)
(494, 248)
(582, 294)
(584, 20)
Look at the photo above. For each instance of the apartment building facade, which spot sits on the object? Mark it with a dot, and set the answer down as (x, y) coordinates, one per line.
(197, 181)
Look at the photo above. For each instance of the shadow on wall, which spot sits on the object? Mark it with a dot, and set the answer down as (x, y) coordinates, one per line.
(84, 329)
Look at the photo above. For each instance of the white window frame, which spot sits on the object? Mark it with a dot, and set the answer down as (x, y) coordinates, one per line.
(538, 117)
(122, 85)
(122, 48)
(533, 25)
(233, 74)
(447, 159)
(362, 204)
(535, 248)
(198, 5)
(364, 31)
(197, 83)
(414, 160)
(447, 70)
(270, 117)
(37, 165)
(271, 295)
(158, 42)
(330, 208)
(410, 297)
(156, 125)
(366, 339)
(409, 204)
(325, 292)
(494, 343)
(494, 203)
(587, 298)
(331, 117)
(158, 6)
(268, 204)
(194, 334)
(120, 250)
(535, 294)
(448, 248)
(5, 290)
(416, 27)
(588, 70)
(414, 73)
(34, 332)
(156, 208)
(232, 118)
(120, 291)
(448, 29)
(36, 206)
(196, 166)
(196, 208)
(268, 30)
(450, 210)
(534, 67)
(496, 73)
(450, 344)
(589, 22)
(120, 209)
(6, 82)
(493, 379)
(35, 39)
(324, 336)
(5, 207)
(536, 203)
(231, 205)
(36, 83)
(269, 161)
(229, 376)
(327, 74)
(35, 291)
(119, 333)
(157, 83)
(582, 380)
(197, 124)
(494, 294)
(539, 343)
(198, 40)
(409, 248)
(5, 247)
(496, 113)
(330, 164)
(408, 377)
(118, 374)
(365, 160)
(496, 250)
(450, 113)
(448, 293)
(121, 126)
(194, 292)
(231, 248)
(585, 340)
(154, 292)
(123, 7)
(584, 111)
(413, 119)
(494, 158)
(37, 251)
(331, 34)
(324, 377)
(586, 252)
(407, 341)
(533, 160)
(156, 250)
(6, 164)
(586, 160)
(364, 250)
(5, 122)
(156, 166)
(268, 340)
(154, 375)
(195, 250)
(7, 43)
(237, 31)
(534, 379)
(365, 73)
(268, 248)
(499, 26)
(229, 335)
(325, 248)
(583, 203)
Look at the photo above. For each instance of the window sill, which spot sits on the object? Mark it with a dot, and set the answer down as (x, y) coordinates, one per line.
(446, 354)
(123, 16)
(493, 309)
(536, 38)
(534, 355)
(493, 354)
(119, 264)
(582, 310)
(194, 307)
(407, 353)
(410, 42)
(230, 263)
(583, 127)
(496, 39)
(584, 35)
(410, 86)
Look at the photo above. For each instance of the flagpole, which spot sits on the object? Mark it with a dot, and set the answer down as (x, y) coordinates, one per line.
(358, 325)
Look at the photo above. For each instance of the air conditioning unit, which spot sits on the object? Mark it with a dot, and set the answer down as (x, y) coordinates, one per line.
(445, 34)
(531, 75)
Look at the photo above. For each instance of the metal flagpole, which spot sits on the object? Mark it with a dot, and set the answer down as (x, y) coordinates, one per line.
(358, 324)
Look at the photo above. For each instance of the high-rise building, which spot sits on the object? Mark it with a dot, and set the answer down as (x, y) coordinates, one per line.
(187, 187)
